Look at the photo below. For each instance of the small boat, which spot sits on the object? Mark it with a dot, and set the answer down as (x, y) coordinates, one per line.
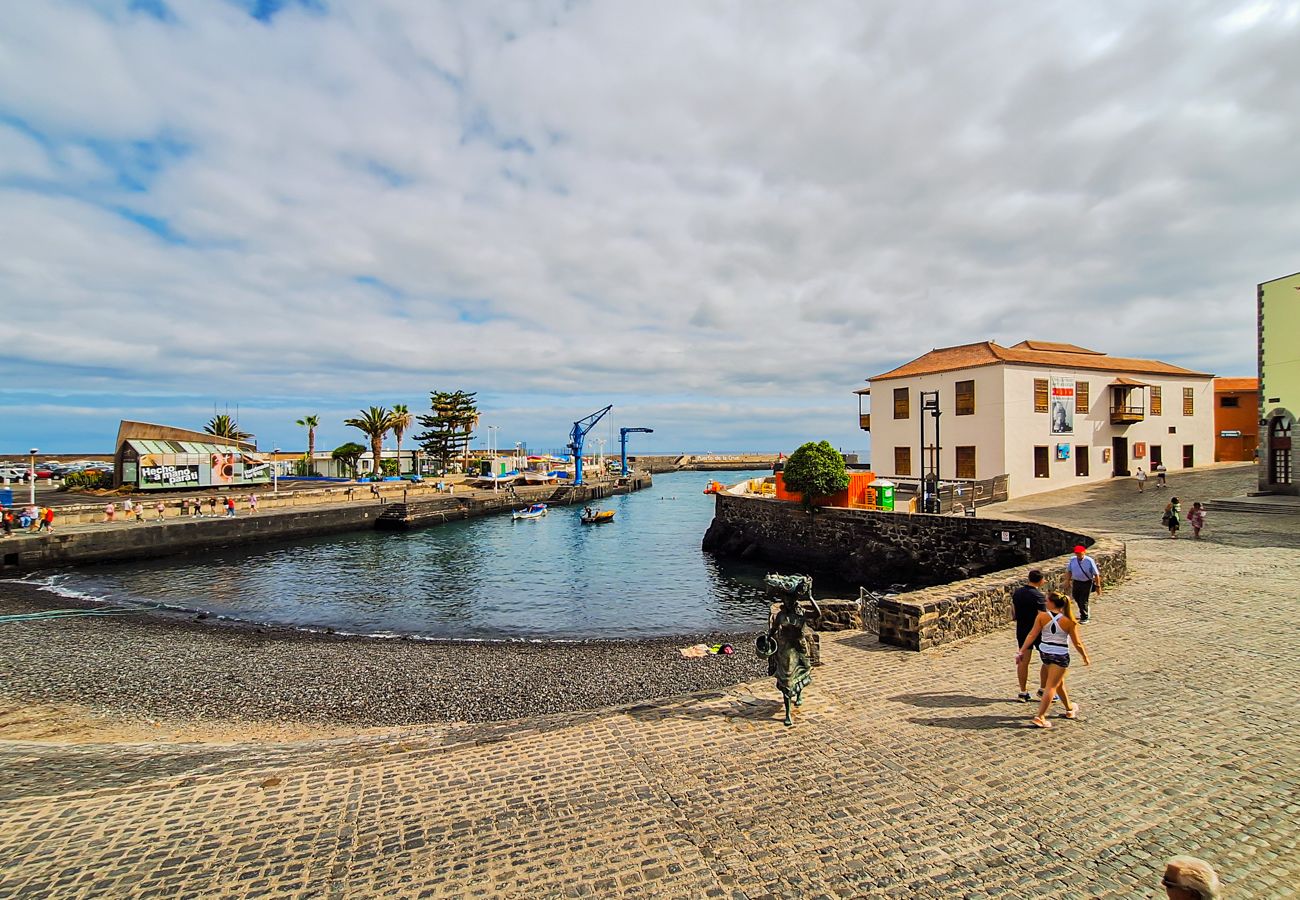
(715, 487)
(536, 511)
(532, 476)
(597, 516)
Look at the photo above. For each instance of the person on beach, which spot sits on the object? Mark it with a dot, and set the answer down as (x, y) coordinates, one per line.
(1173, 512)
(1085, 580)
(1141, 480)
(1196, 518)
(1028, 601)
(1055, 631)
(160, 508)
(109, 512)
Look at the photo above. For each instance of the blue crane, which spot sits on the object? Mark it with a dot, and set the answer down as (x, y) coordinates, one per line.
(579, 434)
(622, 442)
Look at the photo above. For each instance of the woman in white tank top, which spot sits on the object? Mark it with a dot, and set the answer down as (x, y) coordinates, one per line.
(1055, 630)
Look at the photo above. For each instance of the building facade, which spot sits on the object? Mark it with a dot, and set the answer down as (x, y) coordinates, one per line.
(1046, 415)
(1279, 382)
(1236, 419)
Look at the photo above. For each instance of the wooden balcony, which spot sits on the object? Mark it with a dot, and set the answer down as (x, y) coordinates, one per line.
(1126, 415)
(864, 421)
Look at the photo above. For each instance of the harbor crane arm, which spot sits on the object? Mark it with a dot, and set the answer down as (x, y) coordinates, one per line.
(579, 434)
(622, 440)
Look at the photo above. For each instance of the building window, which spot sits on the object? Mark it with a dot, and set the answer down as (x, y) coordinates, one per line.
(1229, 402)
(902, 460)
(965, 399)
(1080, 461)
(902, 403)
(966, 462)
(1081, 398)
(1042, 468)
(1155, 399)
(1040, 395)
(1189, 401)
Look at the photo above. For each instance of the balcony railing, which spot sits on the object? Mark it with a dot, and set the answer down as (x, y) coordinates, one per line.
(1126, 415)
(864, 421)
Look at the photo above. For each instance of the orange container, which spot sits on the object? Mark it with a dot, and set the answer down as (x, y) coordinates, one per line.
(857, 494)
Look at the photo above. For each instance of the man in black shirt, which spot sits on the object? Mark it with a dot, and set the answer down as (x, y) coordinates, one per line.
(1028, 601)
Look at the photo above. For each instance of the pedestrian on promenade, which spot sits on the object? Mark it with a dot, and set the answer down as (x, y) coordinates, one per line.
(1028, 601)
(7, 521)
(1085, 580)
(185, 507)
(351, 491)
(212, 507)
(1141, 480)
(230, 507)
(128, 507)
(159, 508)
(48, 520)
(252, 503)
(1173, 512)
(30, 515)
(1196, 518)
(1054, 630)
(109, 512)
(1189, 878)
(1160, 474)
(139, 511)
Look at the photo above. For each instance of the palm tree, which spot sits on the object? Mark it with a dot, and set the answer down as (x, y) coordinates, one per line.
(226, 427)
(310, 423)
(401, 420)
(374, 423)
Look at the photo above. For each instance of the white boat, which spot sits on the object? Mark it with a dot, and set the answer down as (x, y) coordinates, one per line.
(533, 476)
(503, 479)
(536, 511)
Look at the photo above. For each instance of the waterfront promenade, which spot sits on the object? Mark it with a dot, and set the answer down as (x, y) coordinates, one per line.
(907, 774)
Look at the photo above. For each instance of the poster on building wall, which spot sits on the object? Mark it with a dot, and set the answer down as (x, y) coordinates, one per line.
(164, 475)
(1062, 408)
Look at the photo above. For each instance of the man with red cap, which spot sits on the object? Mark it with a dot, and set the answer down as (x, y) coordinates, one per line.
(1085, 578)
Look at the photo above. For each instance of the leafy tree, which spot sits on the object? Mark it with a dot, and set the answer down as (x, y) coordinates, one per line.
(402, 421)
(815, 470)
(451, 425)
(374, 423)
(348, 454)
(311, 423)
(226, 427)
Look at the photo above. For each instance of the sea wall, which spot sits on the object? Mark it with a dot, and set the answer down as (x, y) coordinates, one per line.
(966, 567)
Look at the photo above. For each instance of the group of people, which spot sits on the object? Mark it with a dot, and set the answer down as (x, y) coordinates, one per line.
(1044, 623)
(1172, 517)
(31, 518)
(191, 509)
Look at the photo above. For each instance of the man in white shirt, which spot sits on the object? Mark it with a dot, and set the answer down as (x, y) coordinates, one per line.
(1085, 578)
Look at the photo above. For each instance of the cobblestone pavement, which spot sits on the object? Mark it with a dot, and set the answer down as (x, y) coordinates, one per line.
(906, 775)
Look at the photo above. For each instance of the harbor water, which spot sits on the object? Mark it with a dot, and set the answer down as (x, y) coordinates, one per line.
(553, 578)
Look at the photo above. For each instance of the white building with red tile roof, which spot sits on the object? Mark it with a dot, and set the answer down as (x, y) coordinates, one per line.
(1047, 415)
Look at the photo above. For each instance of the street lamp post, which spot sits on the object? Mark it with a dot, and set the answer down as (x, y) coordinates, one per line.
(31, 475)
(492, 453)
(275, 472)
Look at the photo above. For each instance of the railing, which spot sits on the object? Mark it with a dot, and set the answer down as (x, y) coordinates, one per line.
(864, 421)
(967, 492)
(1126, 415)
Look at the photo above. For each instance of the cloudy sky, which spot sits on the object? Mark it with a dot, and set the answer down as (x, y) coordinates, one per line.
(719, 216)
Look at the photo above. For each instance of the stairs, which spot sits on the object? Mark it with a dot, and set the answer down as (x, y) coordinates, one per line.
(1275, 505)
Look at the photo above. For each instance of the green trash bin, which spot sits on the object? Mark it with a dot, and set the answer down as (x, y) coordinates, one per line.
(886, 489)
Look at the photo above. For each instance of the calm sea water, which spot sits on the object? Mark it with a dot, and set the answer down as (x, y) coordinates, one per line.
(552, 578)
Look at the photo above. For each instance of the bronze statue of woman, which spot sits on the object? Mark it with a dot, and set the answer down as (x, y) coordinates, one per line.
(788, 642)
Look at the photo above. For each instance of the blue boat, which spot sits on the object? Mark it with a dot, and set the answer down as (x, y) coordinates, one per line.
(536, 511)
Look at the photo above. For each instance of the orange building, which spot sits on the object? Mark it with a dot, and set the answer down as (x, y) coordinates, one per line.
(1236, 419)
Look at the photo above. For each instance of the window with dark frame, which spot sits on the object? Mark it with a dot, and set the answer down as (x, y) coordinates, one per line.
(1230, 402)
(1040, 395)
(1189, 401)
(902, 403)
(1155, 400)
(902, 460)
(1081, 398)
(966, 462)
(1080, 461)
(965, 399)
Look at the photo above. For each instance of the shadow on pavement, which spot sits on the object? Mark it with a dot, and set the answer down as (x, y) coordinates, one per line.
(870, 642)
(946, 701)
(976, 723)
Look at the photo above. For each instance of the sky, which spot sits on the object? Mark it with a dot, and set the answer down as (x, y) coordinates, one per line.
(721, 217)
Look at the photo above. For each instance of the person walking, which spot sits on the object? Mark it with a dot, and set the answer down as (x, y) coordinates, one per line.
(230, 507)
(1160, 474)
(185, 507)
(48, 520)
(160, 508)
(252, 503)
(1054, 631)
(7, 521)
(128, 507)
(1141, 480)
(139, 511)
(212, 506)
(1085, 580)
(1028, 601)
(109, 512)
(1173, 512)
(1196, 518)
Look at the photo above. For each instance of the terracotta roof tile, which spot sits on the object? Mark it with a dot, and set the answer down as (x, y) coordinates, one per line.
(988, 353)
(1236, 384)
(1052, 347)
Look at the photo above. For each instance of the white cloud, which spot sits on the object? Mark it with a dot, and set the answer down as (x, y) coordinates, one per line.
(728, 202)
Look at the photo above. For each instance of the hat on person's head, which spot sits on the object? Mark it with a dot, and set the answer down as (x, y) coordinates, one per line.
(1079, 548)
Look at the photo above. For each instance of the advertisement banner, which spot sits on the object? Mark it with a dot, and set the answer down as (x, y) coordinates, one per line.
(169, 476)
(1062, 408)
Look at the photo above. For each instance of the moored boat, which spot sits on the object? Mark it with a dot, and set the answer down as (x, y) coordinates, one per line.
(536, 511)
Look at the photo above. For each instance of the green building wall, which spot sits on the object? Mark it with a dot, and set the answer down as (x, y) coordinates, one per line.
(1279, 372)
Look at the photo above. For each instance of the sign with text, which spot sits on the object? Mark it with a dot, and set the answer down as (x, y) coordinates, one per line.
(169, 476)
(1062, 407)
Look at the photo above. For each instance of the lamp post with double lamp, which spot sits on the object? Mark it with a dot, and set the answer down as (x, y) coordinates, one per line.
(31, 475)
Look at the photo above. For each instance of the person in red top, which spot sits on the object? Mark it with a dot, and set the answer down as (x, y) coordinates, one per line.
(47, 520)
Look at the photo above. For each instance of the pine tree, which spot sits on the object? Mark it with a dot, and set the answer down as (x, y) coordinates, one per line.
(450, 428)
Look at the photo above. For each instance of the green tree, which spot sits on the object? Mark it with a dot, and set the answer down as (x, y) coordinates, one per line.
(226, 427)
(374, 423)
(348, 454)
(815, 470)
(402, 421)
(310, 423)
(450, 428)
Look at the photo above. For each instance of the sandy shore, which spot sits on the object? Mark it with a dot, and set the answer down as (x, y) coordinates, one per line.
(141, 677)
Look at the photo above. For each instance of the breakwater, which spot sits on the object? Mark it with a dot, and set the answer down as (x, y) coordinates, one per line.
(123, 540)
